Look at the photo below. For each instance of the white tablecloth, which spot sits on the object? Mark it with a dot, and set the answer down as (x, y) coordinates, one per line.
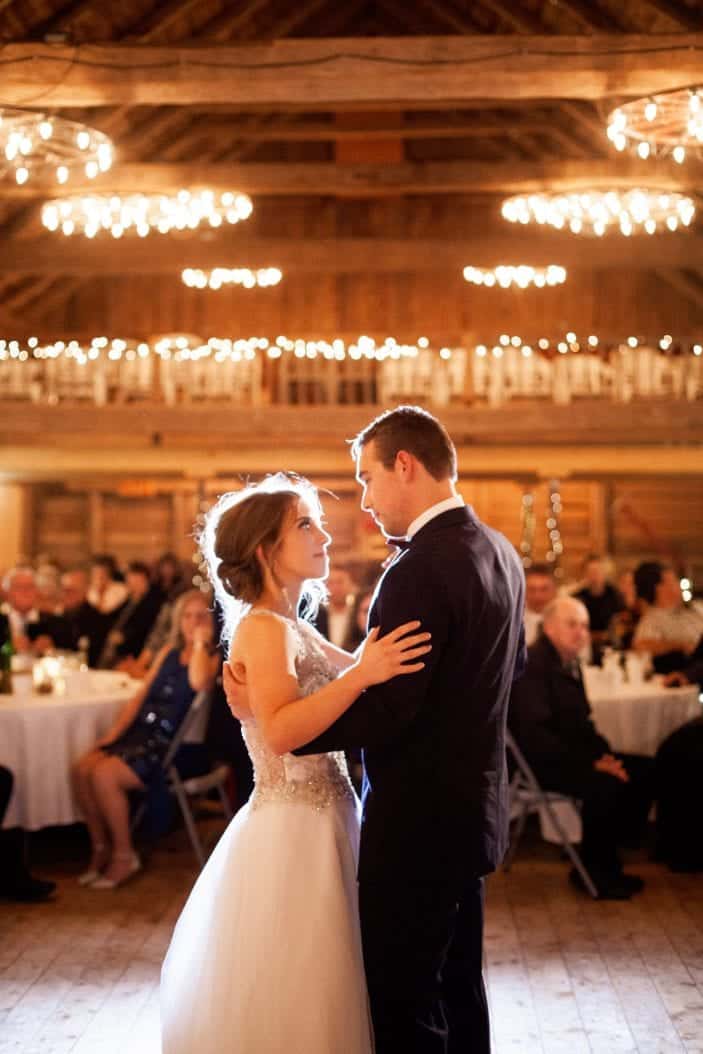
(41, 735)
(637, 718)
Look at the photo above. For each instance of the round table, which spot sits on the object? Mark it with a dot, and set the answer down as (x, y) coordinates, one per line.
(637, 718)
(42, 735)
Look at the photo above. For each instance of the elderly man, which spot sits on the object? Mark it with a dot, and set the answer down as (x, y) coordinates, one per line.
(77, 620)
(21, 607)
(540, 590)
(550, 718)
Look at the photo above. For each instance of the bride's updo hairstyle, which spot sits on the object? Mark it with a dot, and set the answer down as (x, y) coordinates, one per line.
(236, 526)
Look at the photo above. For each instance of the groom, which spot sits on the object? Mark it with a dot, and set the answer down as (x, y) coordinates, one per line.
(435, 817)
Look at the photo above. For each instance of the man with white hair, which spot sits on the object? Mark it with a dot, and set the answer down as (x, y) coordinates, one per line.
(550, 718)
(21, 606)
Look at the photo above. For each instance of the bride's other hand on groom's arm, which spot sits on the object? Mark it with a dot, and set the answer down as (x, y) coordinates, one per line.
(236, 694)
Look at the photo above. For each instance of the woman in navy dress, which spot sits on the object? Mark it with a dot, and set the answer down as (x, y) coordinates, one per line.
(129, 756)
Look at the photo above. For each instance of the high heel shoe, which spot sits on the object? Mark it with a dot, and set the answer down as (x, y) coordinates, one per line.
(135, 865)
(92, 873)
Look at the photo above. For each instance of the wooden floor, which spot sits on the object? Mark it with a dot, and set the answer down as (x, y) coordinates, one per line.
(565, 974)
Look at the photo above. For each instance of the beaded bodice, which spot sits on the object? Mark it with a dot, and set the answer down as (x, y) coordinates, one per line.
(318, 779)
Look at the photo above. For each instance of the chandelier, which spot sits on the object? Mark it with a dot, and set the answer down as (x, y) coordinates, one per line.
(41, 146)
(522, 276)
(596, 212)
(660, 125)
(219, 276)
(143, 213)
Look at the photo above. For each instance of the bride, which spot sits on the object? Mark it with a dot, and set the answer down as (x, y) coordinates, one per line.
(266, 956)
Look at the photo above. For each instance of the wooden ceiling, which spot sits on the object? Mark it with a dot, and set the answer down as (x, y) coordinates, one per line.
(342, 119)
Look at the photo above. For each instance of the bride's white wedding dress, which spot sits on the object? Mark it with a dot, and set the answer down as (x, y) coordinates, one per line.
(266, 955)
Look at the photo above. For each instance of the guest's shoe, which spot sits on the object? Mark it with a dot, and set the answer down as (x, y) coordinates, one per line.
(135, 865)
(610, 887)
(632, 882)
(89, 876)
(27, 890)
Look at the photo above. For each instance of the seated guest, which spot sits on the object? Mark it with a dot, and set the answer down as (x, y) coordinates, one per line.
(77, 621)
(678, 765)
(21, 607)
(691, 671)
(16, 883)
(130, 755)
(357, 630)
(335, 618)
(622, 625)
(134, 620)
(540, 590)
(668, 630)
(550, 718)
(169, 576)
(107, 592)
(600, 598)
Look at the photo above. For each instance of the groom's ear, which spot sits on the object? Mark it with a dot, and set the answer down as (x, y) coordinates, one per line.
(404, 465)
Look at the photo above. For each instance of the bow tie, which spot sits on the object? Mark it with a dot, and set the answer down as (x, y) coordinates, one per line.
(399, 543)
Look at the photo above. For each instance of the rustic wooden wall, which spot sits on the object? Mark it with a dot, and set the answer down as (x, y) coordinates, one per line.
(632, 520)
(441, 305)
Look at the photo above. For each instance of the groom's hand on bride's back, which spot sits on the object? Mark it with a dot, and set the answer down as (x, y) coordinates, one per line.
(236, 694)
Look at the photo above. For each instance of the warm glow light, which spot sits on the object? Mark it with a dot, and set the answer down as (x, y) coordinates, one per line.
(595, 212)
(219, 276)
(661, 125)
(50, 148)
(521, 276)
(141, 213)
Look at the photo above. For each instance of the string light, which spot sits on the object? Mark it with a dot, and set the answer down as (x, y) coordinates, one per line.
(521, 276)
(668, 124)
(219, 276)
(143, 213)
(37, 146)
(597, 212)
(527, 527)
(556, 545)
(191, 346)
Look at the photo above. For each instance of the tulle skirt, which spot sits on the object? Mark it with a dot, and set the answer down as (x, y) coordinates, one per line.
(266, 955)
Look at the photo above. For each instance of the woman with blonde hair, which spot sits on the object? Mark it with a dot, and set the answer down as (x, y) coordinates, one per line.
(266, 955)
(129, 756)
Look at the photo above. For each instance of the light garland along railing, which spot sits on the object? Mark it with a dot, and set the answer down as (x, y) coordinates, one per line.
(38, 146)
(598, 212)
(669, 124)
(142, 214)
(183, 347)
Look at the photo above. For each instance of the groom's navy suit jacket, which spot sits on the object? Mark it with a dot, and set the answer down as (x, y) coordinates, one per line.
(435, 792)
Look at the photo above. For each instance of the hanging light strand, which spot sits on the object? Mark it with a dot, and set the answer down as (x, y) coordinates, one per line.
(50, 148)
(597, 212)
(669, 124)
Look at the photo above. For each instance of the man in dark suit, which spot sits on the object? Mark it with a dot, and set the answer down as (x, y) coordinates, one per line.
(435, 816)
(550, 718)
(133, 621)
(77, 621)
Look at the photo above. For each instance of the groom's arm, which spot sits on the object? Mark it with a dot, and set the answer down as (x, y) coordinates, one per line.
(384, 710)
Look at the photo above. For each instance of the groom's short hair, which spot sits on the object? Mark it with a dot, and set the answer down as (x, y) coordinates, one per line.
(415, 430)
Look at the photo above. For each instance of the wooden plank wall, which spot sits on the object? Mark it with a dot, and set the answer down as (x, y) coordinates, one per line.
(441, 306)
(632, 520)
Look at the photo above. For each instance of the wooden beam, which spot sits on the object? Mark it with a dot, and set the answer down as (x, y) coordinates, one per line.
(278, 129)
(408, 177)
(590, 18)
(158, 255)
(519, 20)
(688, 284)
(677, 13)
(162, 18)
(410, 71)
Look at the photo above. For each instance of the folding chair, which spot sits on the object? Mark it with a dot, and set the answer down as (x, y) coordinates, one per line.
(197, 786)
(527, 796)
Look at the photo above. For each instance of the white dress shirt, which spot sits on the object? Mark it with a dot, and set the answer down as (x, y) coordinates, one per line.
(455, 502)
